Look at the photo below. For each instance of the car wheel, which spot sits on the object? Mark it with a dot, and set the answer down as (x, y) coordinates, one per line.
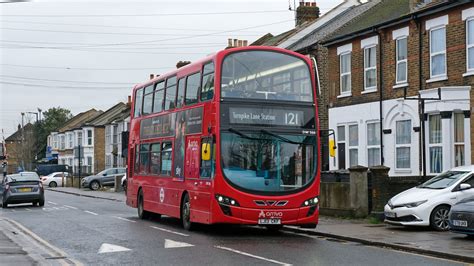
(186, 213)
(439, 219)
(41, 202)
(53, 184)
(94, 185)
(142, 214)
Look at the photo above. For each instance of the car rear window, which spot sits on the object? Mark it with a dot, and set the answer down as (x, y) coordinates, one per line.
(23, 177)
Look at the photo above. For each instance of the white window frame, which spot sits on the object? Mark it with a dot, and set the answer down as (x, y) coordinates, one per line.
(369, 147)
(468, 46)
(366, 69)
(349, 91)
(349, 147)
(443, 75)
(407, 145)
(401, 61)
(89, 139)
(434, 145)
(80, 138)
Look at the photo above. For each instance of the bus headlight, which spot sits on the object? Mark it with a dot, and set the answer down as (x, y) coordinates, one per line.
(310, 202)
(223, 200)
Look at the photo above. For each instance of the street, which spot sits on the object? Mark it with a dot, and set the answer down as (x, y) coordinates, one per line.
(89, 229)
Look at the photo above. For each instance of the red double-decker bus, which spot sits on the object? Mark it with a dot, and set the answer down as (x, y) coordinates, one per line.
(232, 138)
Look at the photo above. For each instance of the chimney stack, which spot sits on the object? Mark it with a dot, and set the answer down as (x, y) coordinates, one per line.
(306, 12)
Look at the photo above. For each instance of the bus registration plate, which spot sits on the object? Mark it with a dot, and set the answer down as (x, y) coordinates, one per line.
(269, 221)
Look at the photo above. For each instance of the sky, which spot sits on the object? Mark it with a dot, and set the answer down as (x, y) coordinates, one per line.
(83, 54)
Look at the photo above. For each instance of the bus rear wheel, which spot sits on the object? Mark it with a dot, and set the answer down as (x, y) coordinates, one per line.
(142, 214)
(186, 213)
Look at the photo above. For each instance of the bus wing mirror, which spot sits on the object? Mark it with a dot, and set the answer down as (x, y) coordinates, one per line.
(206, 152)
(332, 148)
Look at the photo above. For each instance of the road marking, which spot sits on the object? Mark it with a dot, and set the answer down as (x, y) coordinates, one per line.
(124, 219)
(169, 231)
(70, 207)
(108, 248)
(176, 244)
(54, 203)
(55, 208)
(252, 256)
(93, 213)
(27, 209)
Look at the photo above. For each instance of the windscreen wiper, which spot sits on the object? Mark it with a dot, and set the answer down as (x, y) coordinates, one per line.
(281, 138)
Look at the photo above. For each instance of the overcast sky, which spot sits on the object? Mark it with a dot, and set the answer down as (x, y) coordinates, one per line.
(88, 54)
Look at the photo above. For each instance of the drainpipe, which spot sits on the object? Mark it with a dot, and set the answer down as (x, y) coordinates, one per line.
(422, 138)
(382, 159)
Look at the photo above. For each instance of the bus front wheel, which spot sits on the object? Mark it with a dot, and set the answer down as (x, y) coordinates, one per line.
(186, 213)
(142, 214)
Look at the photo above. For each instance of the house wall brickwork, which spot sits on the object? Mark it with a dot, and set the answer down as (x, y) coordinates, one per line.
(99, 149)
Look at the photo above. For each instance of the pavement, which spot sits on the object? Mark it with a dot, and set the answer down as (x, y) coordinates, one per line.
(445, 245)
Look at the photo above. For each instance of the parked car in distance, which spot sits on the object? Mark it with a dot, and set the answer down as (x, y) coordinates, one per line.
(54, 179)
(461, 217)
(104, 178)
(429, 203)
(24, 187)
(46, 169)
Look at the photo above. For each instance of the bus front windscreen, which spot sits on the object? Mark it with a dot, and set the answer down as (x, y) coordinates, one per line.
(268, 162)
(266, 75)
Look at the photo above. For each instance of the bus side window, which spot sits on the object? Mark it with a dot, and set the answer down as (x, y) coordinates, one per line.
(158, 99)
(192, 88)
(155, 159)
(166, 152)
(170, 95)
(138, 102)
(207, 158)
(144, 158)
(148, 100)
(207, 87)
(137, 159)
(181, 92)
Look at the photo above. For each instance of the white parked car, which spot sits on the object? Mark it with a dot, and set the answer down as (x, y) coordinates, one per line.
(429, 203)
(54, 179)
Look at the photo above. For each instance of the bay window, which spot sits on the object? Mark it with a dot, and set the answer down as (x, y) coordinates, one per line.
(435, 144)
(403, 144)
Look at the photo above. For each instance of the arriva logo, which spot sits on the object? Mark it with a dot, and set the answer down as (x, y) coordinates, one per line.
(270, 214)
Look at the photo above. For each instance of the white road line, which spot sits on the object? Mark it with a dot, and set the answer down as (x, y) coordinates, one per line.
(70, 207)
(93, 213)
(169, 231)
(54, 203)
(27, 209)
(124, 219)
(252, 256)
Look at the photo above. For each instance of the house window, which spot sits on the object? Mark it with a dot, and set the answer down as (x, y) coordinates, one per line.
(402, 60)
(89, 137)
(459, 156)
(353, 145)
(435, 144)
(89, 165)
(373, 144)
(370, 68)
(438, 52)
(345, 68)
(402, 144)
(79, 138)
(63, 142)
(71, 140)
(470, 44)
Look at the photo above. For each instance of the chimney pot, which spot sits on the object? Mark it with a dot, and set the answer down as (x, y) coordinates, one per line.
(246, 43)
(307, 4)
(152, 76)
(235, 42)
(229, 42)
(313, 4)
(301, 3)
(241, 43)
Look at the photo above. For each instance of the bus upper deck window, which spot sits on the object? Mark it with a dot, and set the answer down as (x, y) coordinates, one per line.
(207, 88)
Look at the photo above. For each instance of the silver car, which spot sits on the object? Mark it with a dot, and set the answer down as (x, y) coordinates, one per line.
(23, 187)
(104, 178)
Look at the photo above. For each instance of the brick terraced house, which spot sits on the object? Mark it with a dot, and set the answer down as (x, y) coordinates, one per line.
(399, 81)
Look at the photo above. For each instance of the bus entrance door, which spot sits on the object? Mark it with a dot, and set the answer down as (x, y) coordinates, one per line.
(200, 194)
